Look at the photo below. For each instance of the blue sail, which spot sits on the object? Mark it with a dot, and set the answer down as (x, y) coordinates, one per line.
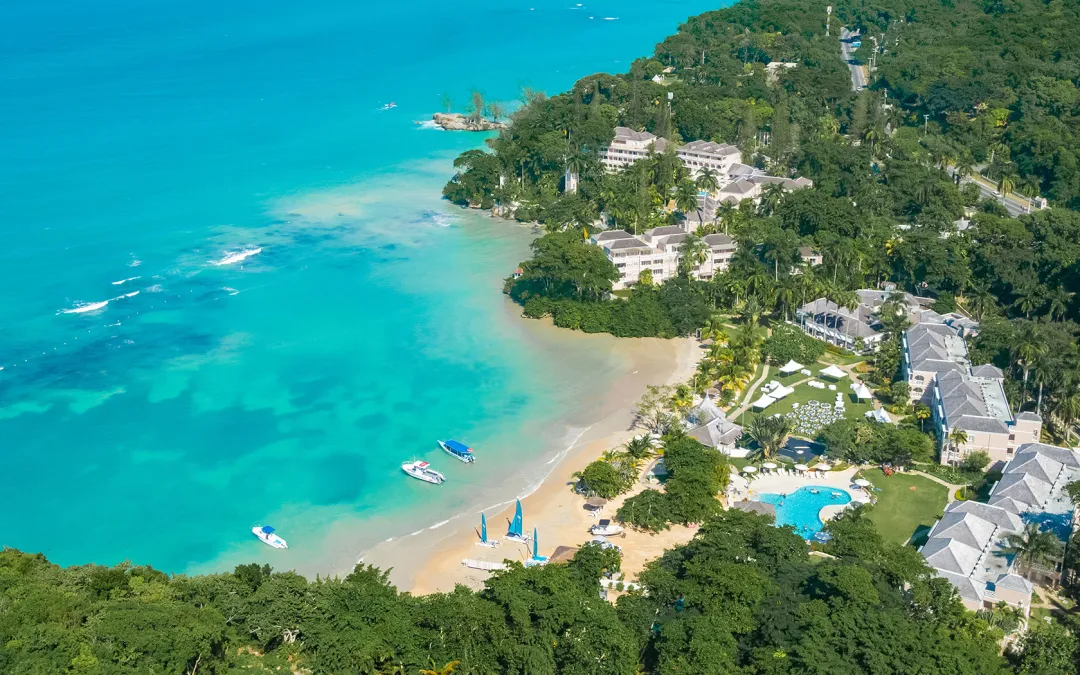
(536, 547)
(483, 528)
(517, 524)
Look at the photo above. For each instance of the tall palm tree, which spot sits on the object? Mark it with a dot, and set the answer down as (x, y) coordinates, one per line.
(771, 197)
(1067, 410)
(1026, 299)
(980, 300)
(1028, 345)
(639, 447)
(957, 437)
(707, 180)
(770, 433)
(725, 213)
(1059, 302)
(686, 197)
(1033, 546)
(693, 253)
(1007, 183)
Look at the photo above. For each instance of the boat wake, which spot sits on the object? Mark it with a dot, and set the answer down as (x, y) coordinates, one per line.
(87, 307)
(124, 281)
(233, 257)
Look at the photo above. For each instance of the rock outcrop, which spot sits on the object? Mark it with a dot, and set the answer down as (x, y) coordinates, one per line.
(459, 122)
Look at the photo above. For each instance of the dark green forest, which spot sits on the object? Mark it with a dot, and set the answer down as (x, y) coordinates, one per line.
(742, 597)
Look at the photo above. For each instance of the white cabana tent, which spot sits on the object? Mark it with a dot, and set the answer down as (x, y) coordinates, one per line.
(764, 402)
(862, 392)
(790, 367)
(879, 415)
(833, 373)
(781, 392)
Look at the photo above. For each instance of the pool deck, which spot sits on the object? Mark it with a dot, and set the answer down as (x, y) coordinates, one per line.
(777, 484)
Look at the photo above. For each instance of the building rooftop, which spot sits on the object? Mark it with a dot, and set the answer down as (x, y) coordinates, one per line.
(608, 235)
(626, 134)
(966, 546)
(709, 148)
(665, 230)
(719, 240)
(624, 244)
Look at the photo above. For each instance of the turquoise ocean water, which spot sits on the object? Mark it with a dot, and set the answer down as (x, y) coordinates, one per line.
(232, 295)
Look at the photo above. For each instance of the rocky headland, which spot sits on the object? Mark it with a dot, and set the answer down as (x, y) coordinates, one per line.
(459, 122)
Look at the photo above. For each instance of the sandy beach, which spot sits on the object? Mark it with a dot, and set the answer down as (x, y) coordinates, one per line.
(424, 566)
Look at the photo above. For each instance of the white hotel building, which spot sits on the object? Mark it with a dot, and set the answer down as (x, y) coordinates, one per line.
(659, 250)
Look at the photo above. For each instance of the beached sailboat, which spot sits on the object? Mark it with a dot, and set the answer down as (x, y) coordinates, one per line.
(484, 541)
(423, 471)
(536, 558)
(516, 531)
(458, 450)
(606, 528)
(268, 536)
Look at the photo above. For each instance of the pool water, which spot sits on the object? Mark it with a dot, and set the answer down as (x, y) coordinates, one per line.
(801, 508)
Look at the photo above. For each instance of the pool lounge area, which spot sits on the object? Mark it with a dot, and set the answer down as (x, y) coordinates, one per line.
(802, 509)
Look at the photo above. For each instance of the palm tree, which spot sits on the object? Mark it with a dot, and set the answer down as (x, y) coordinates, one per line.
(692, 255)
(1059, 302)
(1033, 546)
(639, 447)
(707, 180)
(1026, 299)
(980, 300)
(770, 433)
(1068, 410)
(1007, 184)
(957, 437)
(686, 197)
(725, 213)
(922, 413)
(771, 198)
(1028, 346)
(682, 398)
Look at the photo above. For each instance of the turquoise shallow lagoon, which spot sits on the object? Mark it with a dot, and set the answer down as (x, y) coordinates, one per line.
(232, 295)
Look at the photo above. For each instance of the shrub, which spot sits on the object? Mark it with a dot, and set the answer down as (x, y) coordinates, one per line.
(646, 511)
(603, 480)
(789, 343)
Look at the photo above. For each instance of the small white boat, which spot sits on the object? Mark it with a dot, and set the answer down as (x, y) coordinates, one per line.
(423, 471)
(268, 536)
(605, 528)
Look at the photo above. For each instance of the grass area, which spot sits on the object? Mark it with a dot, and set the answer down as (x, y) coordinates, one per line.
(804, 393)
(907, 505)
(742, 394)
(840, 358)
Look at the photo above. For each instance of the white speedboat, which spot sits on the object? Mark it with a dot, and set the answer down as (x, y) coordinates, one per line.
(605, 528)
(268, 536)
(423, 471)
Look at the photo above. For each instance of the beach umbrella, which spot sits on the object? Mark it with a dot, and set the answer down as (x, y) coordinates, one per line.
(595, 503)
(861, 482)
(769, 465)
(822, 466)
(749, 469)
(801, 467)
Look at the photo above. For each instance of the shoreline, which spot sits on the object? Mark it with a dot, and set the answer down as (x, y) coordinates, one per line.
(422, 566)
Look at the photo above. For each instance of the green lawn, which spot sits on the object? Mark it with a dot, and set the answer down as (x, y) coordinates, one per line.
(844, 359)
(905, 504)
(805, 393)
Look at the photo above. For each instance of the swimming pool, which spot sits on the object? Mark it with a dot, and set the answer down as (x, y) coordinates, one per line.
(800, 509)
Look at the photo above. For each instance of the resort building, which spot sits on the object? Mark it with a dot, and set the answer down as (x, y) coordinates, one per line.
(962, 396)
(854, 328)
(711, 427)
(967, 546)
(660, 251)
(719, 157)
(737, 181)
(628, 147)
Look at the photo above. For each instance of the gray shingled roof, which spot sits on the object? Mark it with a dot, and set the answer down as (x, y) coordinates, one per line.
(1029, 417)
(761, 508)
(608, 235)
(719, 240)
(628, 134)
(666, 229)
(987, 370)
(618, 244)
(710, 148)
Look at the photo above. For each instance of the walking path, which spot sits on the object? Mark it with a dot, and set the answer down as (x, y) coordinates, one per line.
(749, 396)
(952, 487)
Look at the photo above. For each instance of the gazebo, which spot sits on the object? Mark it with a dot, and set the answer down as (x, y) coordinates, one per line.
(862, 392)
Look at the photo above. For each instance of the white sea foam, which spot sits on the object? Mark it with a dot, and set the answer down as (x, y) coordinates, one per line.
(84, 307)
(135, 262)
(230, 291)
(429, 125)
(126, 295)
(439, 524)
(156, 288)
(232, 257)
(124, 281)
(611, 18)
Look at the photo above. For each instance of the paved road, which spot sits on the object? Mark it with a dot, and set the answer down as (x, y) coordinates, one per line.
(1014, 204)
(858, 77)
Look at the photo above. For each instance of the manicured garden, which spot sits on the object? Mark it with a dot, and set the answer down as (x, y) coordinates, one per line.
(804, 394)
(907, 505)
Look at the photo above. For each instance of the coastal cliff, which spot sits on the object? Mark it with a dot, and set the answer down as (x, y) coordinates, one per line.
(459, 122)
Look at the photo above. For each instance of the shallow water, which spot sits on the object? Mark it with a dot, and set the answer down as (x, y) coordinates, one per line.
(802, 508)
(232, 293)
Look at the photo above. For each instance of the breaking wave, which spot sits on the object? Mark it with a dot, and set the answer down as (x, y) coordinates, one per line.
(232, 257)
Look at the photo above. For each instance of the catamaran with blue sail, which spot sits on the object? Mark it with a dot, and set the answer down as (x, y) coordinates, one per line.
(268, 536)
(458, 450)
(536, 558)
(484, 541)
(517, 531)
